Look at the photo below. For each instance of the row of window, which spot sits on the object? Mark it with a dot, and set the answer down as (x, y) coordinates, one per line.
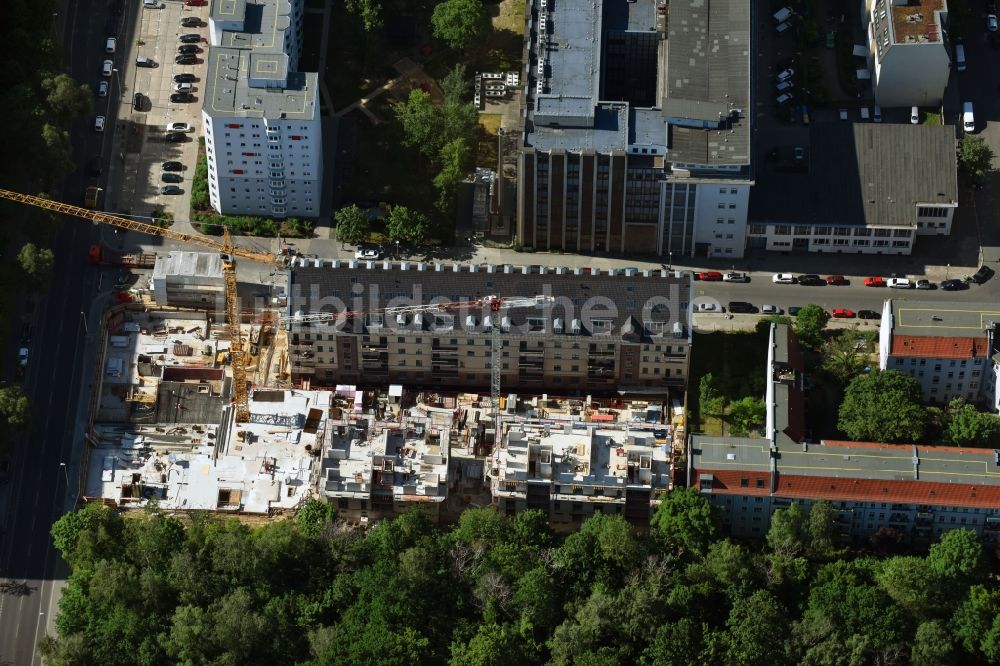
(806, 230)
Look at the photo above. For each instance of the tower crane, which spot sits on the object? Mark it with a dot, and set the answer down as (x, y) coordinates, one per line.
(225, 247)
(496, 305)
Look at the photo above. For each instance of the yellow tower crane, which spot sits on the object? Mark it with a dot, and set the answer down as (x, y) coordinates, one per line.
(225, 248)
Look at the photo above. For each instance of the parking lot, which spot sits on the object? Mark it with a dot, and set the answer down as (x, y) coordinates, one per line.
(140, 143)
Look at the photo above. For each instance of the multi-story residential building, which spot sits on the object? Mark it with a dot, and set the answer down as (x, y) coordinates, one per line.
(919, 491)
(637, 127)
(574, 470)
(380, 470)
(860, 188)
(907, 51)
(261, 117)
(606, 331)
(951, 350)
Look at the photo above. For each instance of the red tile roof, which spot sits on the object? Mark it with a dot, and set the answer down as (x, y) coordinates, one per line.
(730, 482)
(876, 490)
(908, 447)
(921, 346)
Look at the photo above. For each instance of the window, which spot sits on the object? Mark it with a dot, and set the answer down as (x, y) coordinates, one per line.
(601, 326)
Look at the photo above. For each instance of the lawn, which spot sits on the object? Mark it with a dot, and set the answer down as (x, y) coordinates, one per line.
(486, 149)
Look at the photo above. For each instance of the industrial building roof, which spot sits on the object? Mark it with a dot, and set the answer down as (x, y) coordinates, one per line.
(708, 79)
(188, 264)
(939, 319)
(872, 174)
(601, 304)
(249, 73)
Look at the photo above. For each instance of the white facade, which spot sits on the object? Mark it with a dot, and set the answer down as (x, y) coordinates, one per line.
(703, 218)
(785, 237)
(909, 60)
(263, 135)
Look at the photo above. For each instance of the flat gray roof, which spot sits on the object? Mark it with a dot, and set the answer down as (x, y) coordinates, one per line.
(863, 174)
(249, 73)
(708, 79)
(939, 319)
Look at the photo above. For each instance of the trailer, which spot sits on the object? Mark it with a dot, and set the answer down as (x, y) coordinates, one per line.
(104, 256)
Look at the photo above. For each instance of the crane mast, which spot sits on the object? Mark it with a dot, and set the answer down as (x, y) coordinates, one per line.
(225, 247)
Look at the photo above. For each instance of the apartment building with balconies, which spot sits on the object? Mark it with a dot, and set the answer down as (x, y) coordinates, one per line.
(604, 331)
(263, 137)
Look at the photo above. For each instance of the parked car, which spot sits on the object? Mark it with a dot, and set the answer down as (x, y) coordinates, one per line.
(107, 67)
(110, 44)
(868, 314)
(794, 310)
(179, 127)
(770, 309)
(26, 334)
(783, 278)
(784, 98)
(153, 4)
(175, 137)
(799, 153)
(983, 274)
(186, 59)
(172, 166)
(708, 307)
(926, 284)
(195, 3)
(710, 276)
(784, 85)
(137, 101)
(991, 22)
(188, 49)
(186, 77)
(874, 282)
(741, 306)
(143, 61)
(181, 97)
(914, 115)
(171, 189)
(369, 253)
(843, 313)
(190, 22)
(183, 87)
(899, 283)
(735, 277)
(189, 38)
(99, 124)
(811, 280)
(952, 285)
(786, 74)
(102, 88)
(168, 177)
(836, 280)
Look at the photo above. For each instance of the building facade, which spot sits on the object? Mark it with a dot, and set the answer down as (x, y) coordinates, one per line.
(648, 150)
(188, 279)
(609, 331)
(263, 137)
(951, 350)
(908, 52)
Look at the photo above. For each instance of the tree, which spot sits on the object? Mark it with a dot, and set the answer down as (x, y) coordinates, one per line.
(845, 355)
(460, 23)
(37, 263)
(352, 224)
(975, 157)
(423, 125)
(788, 532)
(456, 162)
(710, 399)
(822, 529)
(684, 521)
(314, 516)
(369, 11)
(932, 645)
(882, 406)
(493, 645)
(455, 85)
(14, 408)
(67, 98)
(967, 426)
(912, 584)
(756, 629)
(404, 225)
(958, 557)
(809, 325)
(745, 415)
(976, 618)
(58, 151)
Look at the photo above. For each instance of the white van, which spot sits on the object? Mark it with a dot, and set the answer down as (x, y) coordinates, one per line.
(968, 119)
(960, 57)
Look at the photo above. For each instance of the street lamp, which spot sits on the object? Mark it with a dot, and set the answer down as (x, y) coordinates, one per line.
(65, 473)
(670, 260)
(83, 318)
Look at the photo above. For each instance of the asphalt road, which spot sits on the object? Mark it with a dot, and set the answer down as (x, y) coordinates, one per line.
(39, 486)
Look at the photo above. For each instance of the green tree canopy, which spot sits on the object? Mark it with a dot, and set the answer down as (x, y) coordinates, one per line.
(456, 163)
(810, 323)
(932, 645)
(685, 521)
(967, 426)
(353, 224)
(369, 11)
(845, 355)
(14, 408)
(975, 157)
(882, 407)
(746, 414)
(460, 23)
(37, 263)
(67, 98)
(404, 225)
(757, 628)
(710, 399)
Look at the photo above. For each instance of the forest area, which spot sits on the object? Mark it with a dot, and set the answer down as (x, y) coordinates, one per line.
(155, 589)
